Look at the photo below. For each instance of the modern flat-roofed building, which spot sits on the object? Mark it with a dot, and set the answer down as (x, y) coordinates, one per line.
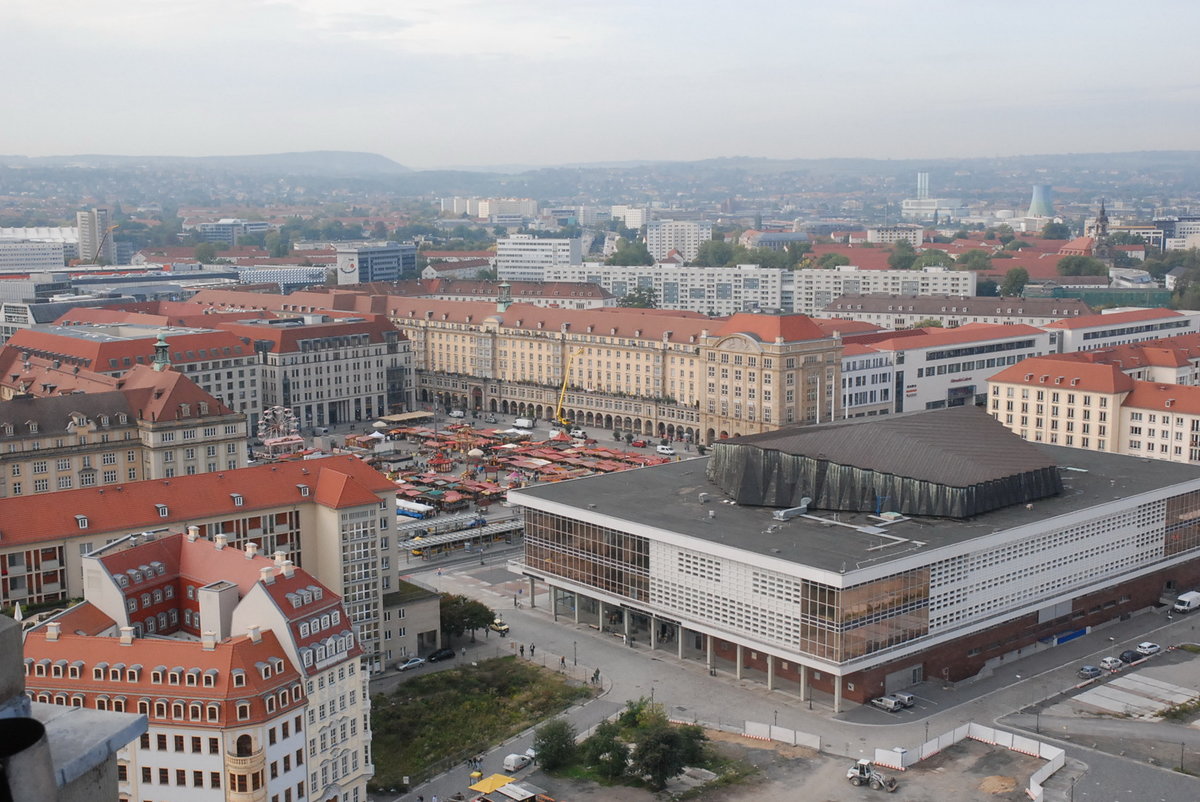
(815, 288)
(890, 235)
(30, 256)
(228, 230)
(863, 557)
(682, 236)
(1123, 327)
(524, 257)
(96, 244)
(358, 263)
(708, 290)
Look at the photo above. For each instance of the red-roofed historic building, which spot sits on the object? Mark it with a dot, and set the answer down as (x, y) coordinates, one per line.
(248, 668)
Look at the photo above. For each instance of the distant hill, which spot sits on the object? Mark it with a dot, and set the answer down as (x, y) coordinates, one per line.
(315, 163)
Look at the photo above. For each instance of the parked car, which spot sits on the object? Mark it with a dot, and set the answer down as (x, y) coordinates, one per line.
(904, 698)
(441, 654)
(638, 444)
(887, 703)
(412, 662)
(1090, 672)
(666, 451)
(1130, 656)
(516, 762)
(578, 434)
(490, 419)
(457, 413)
(499, 626)
(1147, 648)
(1111, 663)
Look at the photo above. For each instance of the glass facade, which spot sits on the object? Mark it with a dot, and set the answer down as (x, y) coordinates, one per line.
(602, 558)
(1183, 523)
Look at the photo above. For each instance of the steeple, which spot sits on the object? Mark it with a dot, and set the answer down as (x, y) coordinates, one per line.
(504, 301)
(161, 360)
(1102, 221)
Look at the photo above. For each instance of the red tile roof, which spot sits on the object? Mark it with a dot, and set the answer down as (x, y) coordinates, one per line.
(132, 506)
(970, 332)
(1130, 316)
(1056, 371)
(1179, 398)
(772, 328)
(98, 353)
(845, 327)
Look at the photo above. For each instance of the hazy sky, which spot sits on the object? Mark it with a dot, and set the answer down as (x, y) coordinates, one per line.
(454, 82)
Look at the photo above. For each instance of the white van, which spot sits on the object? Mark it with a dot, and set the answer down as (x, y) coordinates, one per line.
(523, 423)
(1187, 602)
(516, 762)
(457, 413)
(666, 451)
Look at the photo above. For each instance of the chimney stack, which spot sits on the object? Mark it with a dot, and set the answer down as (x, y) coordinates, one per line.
(255, 633)
(267, 575)
(279, 557)
(208, 641)
(126, 636)
(219, 542)
(193, 533)
(251, 550)
(53, 629)
(288, 568)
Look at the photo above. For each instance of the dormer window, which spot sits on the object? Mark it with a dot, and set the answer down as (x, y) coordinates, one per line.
(303, 489)
(162, 510)
(81, 521)
(33, 427)
(237, 499)
(122, 418)
(239, 678)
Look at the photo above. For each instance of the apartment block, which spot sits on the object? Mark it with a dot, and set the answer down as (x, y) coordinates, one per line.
(681, 236)
(524, 257)
(716, 291)
(816, 288)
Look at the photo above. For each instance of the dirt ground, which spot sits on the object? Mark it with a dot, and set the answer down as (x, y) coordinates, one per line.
(967, 772)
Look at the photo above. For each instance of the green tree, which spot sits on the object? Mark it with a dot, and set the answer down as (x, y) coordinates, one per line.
(554, 743)
(903, 255)
(1081, 266)
(974, 259)
(460, 614)
(206, 252)
(833, 260)
(630, 253)
(658, 755)
(1015, 245)
(932, 257)
(1056, 231)
(1014, 281)
(962, 233)
(277, 244)
(640, 298)
(1125, 238)
(796, 251)
(487, 274)
(986, 287)
(714, 253)
(605, 750)
(379, 230)
(928, 323)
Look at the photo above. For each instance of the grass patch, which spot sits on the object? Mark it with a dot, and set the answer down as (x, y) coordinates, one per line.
(1182, 711)
(436, 721)
(1190, 647)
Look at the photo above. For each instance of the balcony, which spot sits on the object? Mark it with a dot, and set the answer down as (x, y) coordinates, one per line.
(245, 775)
(246, 764)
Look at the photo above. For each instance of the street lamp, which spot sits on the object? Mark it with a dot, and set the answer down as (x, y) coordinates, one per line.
(926, 732)
(776, 718)
(574, 652)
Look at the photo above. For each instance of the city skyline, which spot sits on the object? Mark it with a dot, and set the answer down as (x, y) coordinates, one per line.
(461, 82)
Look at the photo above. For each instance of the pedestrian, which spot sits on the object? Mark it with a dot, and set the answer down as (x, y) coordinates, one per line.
(562, 661)
(433, 798)
(531, 648)
(464, 651)
(522, 649)
(420, 798)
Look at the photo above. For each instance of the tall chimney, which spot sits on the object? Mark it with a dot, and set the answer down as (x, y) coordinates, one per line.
(219, 542)
(208, 641)
(288, 568)
(280, 557)
(255, 633)
(53, 629)
(267, 575)
(193, 533)
(251, 550)
(126, 636)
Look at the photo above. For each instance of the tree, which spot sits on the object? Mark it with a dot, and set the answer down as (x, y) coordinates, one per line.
(833, 260)
(379, 230)
(962, 233)
(640, 298)
(986, 287)
(630, 253)
(1056, 231)
(658, 755)
(554, 743)
(460, 614)
(932, 257)
(713, 253)
(1014, 281)
(974, 259)
(928, 323)
(1015, 245)
(206, 252)
(487, 274)
(1081, 266)
(606, 751)
(903, 255)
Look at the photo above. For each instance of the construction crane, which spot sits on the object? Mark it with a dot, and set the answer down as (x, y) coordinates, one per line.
(562, 395)
(99, 248)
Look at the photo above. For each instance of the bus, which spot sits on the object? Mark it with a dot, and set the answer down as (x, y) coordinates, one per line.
(411, 509)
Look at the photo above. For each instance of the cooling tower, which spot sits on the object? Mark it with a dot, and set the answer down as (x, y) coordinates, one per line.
(1039, 204)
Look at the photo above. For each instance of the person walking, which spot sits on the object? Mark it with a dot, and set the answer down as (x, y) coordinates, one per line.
(562, 662)
(531, 649)
(522, 649)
